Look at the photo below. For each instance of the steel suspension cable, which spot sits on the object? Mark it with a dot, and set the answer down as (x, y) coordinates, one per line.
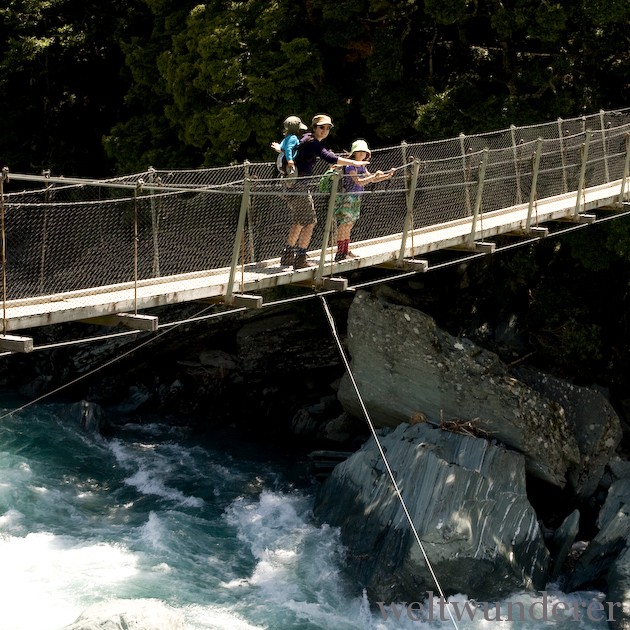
(346, 363)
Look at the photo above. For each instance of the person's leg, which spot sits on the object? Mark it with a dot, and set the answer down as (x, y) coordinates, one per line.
(343, 238)
(294, 234)
(305, 235)
(296, 204)
(288, 253)
(345, 214)
(353, 214)
(309, 219)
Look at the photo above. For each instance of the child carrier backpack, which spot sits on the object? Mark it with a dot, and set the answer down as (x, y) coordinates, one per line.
(325, 181)
(283, 167)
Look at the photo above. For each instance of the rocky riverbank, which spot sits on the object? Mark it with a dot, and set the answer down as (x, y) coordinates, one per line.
(463, 434)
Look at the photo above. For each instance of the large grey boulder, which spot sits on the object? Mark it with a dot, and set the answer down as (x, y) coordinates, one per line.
(406, 367)
(594, 422)
(467, 500)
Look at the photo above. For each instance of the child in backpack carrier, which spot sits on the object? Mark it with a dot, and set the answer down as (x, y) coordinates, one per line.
(348, 206)
(287, 149)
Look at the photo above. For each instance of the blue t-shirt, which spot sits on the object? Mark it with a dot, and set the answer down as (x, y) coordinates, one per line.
(289, 146)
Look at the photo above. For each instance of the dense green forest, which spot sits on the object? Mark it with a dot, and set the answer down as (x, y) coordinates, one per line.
(94, 89)
(91, 88)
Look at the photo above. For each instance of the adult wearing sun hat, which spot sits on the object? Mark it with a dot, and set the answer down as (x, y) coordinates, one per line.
(302, 207)
(348, 206)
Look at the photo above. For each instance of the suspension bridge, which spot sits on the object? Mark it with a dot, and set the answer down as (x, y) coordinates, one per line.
(109, 251)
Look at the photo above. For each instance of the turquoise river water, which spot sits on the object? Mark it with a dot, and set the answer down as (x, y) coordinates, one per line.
(220, 531)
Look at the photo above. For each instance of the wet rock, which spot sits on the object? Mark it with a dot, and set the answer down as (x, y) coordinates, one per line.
(563, 540)
(610, 543)
(404, 365)
(595, 425)
(468, 503)
(90, 416)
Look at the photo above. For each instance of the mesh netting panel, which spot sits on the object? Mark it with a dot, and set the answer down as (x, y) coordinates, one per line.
(58, 247)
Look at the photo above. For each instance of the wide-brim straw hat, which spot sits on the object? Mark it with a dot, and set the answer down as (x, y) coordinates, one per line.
(321, 119)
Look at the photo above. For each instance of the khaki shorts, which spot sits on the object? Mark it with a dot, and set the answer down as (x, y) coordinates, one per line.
(301, 205)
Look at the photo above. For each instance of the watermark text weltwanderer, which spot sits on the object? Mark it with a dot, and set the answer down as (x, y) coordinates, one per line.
(543, 608)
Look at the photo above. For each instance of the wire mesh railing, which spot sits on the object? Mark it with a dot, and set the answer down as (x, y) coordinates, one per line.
(61, 235)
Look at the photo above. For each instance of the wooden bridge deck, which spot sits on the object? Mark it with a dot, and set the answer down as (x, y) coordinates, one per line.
(132, 298)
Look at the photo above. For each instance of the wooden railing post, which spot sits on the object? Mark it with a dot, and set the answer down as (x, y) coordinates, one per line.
(533, 193)
(587, 140)
(411, 193)
(238, 239)
(250, 223)
(517, 174)
(462, 145)
(604, 144)
(44, 247)
(626, 170)
(563, 159)
(136, 240)
(155, 267)
(332, 200)
(479, 197)
(403, 150)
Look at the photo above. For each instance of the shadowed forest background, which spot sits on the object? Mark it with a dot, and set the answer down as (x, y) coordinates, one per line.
(91, 88)
(96, 89)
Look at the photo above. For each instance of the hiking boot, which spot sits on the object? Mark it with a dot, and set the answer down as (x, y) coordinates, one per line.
(339, 256)
(287, 256)
(301, 262)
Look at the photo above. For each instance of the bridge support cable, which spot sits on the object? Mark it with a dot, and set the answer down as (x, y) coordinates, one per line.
(93, 371)
(580, 201)
(344, 358)
(479, 197)
(533, 194)
(328, 226)
(238, 237)
(408, 225)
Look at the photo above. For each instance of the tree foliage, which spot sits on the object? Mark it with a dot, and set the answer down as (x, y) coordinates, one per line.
(60, 63)
(172, 83)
